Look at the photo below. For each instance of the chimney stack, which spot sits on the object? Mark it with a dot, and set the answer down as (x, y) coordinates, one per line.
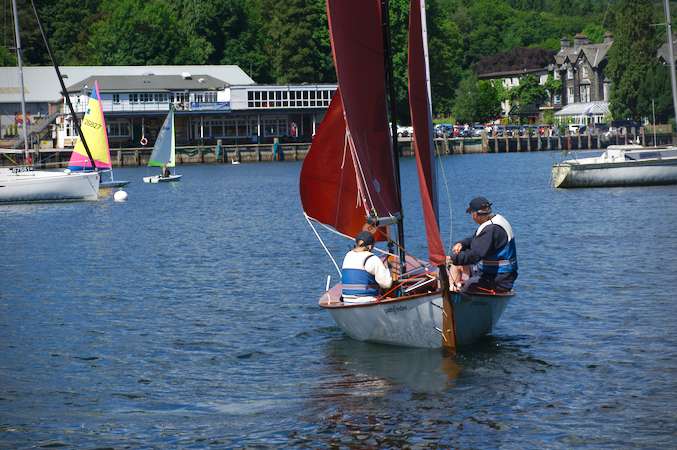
(580, 39)
(608, 37)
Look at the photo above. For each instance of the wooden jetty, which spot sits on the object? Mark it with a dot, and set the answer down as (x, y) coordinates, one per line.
(210, 154)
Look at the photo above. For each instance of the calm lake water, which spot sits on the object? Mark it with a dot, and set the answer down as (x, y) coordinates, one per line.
(187, 317)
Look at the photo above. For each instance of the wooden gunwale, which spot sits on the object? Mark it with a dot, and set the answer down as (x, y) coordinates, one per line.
(333, 305)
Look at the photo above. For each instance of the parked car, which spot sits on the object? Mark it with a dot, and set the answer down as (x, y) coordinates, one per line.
(444, 130)
(577, 128)
(403, 131)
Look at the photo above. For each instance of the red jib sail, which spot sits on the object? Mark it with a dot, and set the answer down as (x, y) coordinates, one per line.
(354, 138)
(420, 108)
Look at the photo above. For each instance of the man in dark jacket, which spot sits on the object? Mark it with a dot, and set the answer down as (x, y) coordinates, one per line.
(491, 253)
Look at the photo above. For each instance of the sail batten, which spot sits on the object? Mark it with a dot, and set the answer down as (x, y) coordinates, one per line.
(421, 117)
(93, 127)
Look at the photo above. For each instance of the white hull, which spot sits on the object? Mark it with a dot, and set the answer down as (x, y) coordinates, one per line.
(622, 170)
(158, 179)
(415, 321)
(45, 186)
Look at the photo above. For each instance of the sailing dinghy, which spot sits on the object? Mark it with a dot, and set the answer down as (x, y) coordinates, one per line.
(93, 128)
(351, 176)
(164, 152)
(24, 184)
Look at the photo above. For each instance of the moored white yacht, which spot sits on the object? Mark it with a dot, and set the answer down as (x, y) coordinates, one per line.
(26, 185)
(619, 165)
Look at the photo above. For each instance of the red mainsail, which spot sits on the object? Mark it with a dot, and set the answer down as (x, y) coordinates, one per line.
(420, 108)
(354, 138)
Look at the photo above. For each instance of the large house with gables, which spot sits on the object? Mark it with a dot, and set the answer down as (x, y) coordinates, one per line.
(585, 88)
(580, 67)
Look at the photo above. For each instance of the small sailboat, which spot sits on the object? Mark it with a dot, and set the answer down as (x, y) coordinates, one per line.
(93, 128)
(351, 176)
(24, 184)
(164, 153)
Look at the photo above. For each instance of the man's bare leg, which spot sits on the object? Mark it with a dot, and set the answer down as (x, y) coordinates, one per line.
(458, 274)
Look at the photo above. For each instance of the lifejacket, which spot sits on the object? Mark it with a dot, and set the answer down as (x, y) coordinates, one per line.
(355, 279)
(503, 260)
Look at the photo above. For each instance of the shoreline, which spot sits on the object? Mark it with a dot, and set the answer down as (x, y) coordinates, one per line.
(223, 154)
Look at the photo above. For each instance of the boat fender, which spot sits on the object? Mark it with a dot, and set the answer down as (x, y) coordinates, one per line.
(143, 141)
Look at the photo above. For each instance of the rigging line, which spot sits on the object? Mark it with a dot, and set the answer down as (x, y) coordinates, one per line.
(322, 243)
(446, 189)
(338, 233)
(360, 175)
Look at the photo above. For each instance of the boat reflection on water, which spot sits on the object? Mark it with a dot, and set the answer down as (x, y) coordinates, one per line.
(371, 366)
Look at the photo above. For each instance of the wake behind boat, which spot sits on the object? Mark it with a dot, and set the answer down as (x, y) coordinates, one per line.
(350, 180)
(619, 165)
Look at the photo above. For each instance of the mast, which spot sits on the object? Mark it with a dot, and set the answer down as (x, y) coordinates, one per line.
(64, 91)
(671, 52)
(21, 77)
(387, 53)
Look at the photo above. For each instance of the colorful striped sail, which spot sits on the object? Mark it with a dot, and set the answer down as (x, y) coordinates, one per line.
(164, 153)
(93, 128)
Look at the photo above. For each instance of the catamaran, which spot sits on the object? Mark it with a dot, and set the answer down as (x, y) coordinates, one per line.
(164, 152)
(93, 127)
(24, 184)
(350, 180)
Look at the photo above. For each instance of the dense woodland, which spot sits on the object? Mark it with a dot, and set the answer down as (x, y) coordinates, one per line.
(286, 41)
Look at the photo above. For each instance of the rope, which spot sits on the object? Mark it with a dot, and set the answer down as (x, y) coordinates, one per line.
(448, 193)
(322, 243)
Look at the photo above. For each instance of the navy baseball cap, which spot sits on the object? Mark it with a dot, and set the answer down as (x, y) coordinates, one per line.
(479, 205)
(366, 237)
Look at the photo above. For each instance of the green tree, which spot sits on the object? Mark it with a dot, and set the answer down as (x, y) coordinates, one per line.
(476, 101)
(137, 32)
(656, 87)
(445, 46)
(630, 58)
(67, 24)
(552, 86)
(529, 91)
(296, 42)
(7, 58)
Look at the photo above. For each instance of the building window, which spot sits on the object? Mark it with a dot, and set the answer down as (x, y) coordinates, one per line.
(584, 72)
(116, 99)
(118, 129)
(570, 73)
(570, 95)
(133, 98)
(585, 93)
(275, 126)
